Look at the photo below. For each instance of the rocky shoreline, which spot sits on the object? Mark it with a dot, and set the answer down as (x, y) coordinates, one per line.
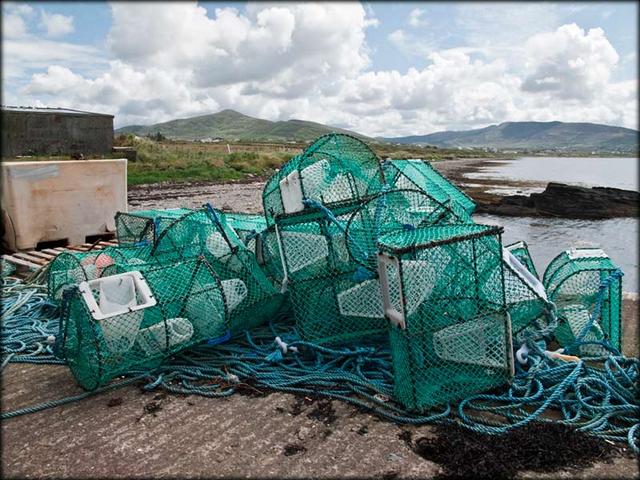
(557, 200)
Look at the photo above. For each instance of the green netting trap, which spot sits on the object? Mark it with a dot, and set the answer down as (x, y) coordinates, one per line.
(330, 260)
(417, 174)
(443, 294)
(575, 280)
(251, 297)
(525, 295)
(144, 226)
(333, 170)
(136, 319)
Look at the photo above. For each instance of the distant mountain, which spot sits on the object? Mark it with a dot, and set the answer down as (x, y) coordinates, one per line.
(229, 124)
(534, 136)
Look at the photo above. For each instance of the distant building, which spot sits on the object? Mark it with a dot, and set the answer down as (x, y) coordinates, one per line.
(55, 131)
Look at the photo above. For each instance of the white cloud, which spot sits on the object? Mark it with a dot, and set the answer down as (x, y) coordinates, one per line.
(569, 63)
(283, 46)
(22, 9)
(410, 45)
(505, 24)
(416, 18)
(56, 24)
(32, 53)
(311, 61)
(13, 26)
(13, 19)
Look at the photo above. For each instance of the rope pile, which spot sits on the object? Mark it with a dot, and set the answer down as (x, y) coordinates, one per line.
(596, 395)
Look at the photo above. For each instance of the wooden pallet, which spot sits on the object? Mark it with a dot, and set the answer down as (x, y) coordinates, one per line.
(35, 259)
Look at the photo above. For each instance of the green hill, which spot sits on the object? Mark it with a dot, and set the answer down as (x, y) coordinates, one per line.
(230, 125)
(534, 136)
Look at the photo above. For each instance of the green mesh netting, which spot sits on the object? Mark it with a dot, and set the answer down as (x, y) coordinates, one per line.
(525, 295)
(246, 225)
(394, 210)
(443, 291)
(520, 250)
(332, 255)
(112, 325)
(417, 174)
(573, 281)
(334, 169)
(144, 226)
(254, 299)
(267, 251)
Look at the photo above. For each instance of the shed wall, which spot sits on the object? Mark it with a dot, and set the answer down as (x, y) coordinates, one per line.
(29, 133)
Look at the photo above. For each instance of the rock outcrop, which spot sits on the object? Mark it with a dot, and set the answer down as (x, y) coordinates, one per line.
(566, 201)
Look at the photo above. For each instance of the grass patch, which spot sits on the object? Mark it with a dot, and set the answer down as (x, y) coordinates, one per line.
(183, 162)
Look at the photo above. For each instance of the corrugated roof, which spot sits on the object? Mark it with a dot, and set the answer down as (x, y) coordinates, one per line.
(60, 111)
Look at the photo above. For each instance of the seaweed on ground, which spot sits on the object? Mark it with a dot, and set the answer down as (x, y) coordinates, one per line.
(539, 447)
(323, 412)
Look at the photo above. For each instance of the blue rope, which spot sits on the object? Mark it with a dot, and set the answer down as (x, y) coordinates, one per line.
(596, 395)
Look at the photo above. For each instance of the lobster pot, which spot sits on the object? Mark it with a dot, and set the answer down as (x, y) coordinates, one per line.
(420, 175)
(251, 297)
(336, 257)
(573, 282)
(143, 227)
(520, 250)
(133, 321)
(443, 294)
(70, 268)
(337, 308)
(333, 170)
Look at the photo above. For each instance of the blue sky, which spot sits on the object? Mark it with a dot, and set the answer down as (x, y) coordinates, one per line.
(381, 68)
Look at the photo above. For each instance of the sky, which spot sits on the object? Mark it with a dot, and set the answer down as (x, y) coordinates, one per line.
(379, 68)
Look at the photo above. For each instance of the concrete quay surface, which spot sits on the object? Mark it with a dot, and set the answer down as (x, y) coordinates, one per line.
(129, 433)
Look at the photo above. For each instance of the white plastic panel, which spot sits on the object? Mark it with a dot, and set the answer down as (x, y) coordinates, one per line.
(291, 193)
(115, 295)
(303, 249)
(313, 178)
(477, 342)
(217, 245)
(524, 274)
(362, 300)
(392, 306)
(575, 253)
(235, 291)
